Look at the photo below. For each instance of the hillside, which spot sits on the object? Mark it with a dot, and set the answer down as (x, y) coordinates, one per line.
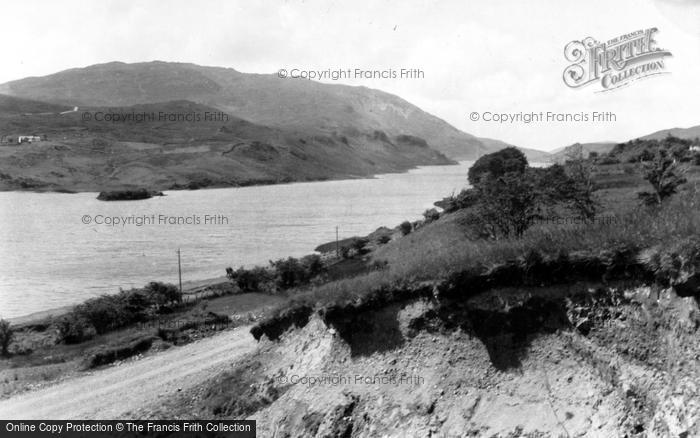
(685, 133)
(308, 106)
(533, 155)
(94, 155)
(572, 330)
(559, 155)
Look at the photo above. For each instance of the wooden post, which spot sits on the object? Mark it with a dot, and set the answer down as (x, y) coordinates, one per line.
(179, 270)
(337, 249)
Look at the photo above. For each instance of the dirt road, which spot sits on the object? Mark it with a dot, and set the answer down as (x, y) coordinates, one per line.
(116, 391)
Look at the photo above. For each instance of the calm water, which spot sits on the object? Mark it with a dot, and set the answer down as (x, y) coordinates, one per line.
(50, 258)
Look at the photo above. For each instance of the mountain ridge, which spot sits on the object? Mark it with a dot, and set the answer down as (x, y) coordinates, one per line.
(259, 98)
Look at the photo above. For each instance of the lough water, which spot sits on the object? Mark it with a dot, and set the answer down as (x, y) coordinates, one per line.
(50, 258)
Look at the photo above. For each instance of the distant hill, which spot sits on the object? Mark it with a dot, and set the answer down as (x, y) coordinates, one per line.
(533, 155)
(559, 155)
(10, 105)
(686, 133)
(297, 104)
(94, 155)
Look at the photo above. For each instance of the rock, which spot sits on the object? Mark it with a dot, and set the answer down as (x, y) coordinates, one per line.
(584, 326)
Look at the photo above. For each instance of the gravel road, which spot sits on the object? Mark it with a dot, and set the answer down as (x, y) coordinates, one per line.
(116, 391)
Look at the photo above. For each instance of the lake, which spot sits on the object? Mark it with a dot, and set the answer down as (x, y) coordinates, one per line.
(59, 249)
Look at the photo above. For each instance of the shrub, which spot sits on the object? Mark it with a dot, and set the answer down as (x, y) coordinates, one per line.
(313, 266)
(431, 215)
(110, 312)
(358, 244)
(383, 239)
(664, 176)
(74, 329)
(249, 280)
(405, 227)
(6, 335)
(162, 293)
(109, 354)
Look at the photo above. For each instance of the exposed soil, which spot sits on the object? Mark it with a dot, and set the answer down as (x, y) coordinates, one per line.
(578, 360)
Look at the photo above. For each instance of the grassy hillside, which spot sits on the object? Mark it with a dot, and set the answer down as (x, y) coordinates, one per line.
(296, 104)
(96, 155)
(262, 99)
(560, 155)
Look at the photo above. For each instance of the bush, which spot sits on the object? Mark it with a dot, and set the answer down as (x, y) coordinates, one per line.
(74, 329)
(664, 176)
(161, 294)
(431, 215)
(249, 280)
(405, 227)
(107, 355)
(383, 239)
(284, 273)
(6, 335)
(358, 244)
(110, 312)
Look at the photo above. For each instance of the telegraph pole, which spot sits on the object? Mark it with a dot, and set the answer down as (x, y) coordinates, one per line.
(179, 270)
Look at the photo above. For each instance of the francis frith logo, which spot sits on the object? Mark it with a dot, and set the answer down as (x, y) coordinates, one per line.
(614, 63)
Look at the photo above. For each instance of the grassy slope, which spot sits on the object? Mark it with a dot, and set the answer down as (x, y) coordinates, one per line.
(96, 156)
(442, 248)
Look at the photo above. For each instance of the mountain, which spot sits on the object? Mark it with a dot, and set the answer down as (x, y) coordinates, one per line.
(144, 150)
(559, 155)
(297, 104)
(685, 133)
(533, 155)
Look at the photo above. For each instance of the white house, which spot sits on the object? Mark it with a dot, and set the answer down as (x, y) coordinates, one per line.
(28, 138)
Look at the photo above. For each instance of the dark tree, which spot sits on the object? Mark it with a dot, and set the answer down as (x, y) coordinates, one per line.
(6, 335)
(665, 177)
(497, 164)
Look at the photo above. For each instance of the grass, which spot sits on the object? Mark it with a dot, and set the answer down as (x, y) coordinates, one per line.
(442, 248)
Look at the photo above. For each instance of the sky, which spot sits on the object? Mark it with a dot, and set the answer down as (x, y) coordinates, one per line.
(490, 56)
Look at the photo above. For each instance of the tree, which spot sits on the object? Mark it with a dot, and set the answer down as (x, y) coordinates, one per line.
(405, 227)
(665, 177)
(578, 192)
(497, 164)
(6, 335)
(249, 280)
(289, 272)
(163, 293)
(509, 204)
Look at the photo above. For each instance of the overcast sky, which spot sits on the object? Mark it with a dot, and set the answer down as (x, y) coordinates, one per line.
(499, 56)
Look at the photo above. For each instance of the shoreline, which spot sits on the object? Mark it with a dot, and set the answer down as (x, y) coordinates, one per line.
(190, 287)
(70, 191)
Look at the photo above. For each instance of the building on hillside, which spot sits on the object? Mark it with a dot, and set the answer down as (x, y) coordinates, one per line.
(28, 139)
(695, 149)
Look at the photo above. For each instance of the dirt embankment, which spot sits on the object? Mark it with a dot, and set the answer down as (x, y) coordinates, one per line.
(580, 359)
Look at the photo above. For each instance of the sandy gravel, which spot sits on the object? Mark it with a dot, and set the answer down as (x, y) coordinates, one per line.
(116, 391)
